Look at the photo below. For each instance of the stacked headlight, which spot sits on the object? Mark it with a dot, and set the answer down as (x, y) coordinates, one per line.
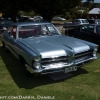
(37, 62)
(95, 51)
(37, 59)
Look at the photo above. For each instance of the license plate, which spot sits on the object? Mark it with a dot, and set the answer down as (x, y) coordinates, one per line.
(70, 69)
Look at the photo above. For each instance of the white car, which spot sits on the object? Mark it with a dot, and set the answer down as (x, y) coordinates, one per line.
(59, 18)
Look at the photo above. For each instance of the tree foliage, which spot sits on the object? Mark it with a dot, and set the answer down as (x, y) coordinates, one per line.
(46, 8)
(50, 8)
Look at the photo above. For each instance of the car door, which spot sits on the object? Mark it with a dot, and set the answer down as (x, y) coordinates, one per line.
(97, 33)
(87, 31)
(82, 32)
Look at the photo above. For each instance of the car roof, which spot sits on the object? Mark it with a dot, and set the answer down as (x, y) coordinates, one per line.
(80, 19)
(30, 23)
(91, 24)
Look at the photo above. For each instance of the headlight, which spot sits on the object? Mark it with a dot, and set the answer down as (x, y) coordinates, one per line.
(36, 62)
(37, 65)
(95, 51)
(37, 59)
(96, 48)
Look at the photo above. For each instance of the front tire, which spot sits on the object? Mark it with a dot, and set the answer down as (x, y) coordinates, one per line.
(3, 44)
(7, 50)
(28, 74)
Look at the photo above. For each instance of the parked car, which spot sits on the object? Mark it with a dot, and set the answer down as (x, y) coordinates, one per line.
(94, 21)
(75, 23)
(89, 32)
(57, 18)
(42, 49)
(35, 20)
(38, 17)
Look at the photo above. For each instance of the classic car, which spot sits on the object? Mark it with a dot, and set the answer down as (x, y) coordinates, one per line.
(90, 32)
(75, 23)
(94, 21)
(42, 49)
(57, 18)
(35, 20)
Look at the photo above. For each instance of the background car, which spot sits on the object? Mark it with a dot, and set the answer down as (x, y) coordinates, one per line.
(90, 32)
(58, 18)
(75, 23)
(35, 20)
(94, 21)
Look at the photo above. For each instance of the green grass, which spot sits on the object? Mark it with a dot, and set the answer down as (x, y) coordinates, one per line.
(83, 85)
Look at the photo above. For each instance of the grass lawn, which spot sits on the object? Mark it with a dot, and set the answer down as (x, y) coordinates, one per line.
(84, 84)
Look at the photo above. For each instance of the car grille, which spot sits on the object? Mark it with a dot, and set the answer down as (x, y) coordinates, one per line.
(61, 59)
(83, 56)
(78, 58)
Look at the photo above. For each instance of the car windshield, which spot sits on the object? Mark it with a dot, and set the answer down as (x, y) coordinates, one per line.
(37, 30)
(87, 28)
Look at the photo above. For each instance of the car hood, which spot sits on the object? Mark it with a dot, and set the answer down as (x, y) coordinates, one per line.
(55, 45)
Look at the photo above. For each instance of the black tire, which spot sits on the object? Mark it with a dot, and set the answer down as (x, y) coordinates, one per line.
(3, 44)
(28, 74)
(7, 50)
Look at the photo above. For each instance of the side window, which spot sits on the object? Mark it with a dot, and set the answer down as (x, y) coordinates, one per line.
(77, 21)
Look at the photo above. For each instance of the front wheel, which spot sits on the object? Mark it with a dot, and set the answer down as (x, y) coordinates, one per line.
(7, 50)
(22, 60)
(28, 74)
(3, 44)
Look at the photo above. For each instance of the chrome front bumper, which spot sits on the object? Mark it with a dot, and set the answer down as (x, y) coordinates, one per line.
(57, 67)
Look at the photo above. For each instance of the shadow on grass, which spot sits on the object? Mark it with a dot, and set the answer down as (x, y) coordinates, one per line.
(17, 72)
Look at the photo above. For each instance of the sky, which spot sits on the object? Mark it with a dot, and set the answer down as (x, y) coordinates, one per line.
(98, 1)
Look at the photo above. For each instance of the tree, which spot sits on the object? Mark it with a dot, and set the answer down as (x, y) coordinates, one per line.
(46, 8)
(50, 8)
(10, 8)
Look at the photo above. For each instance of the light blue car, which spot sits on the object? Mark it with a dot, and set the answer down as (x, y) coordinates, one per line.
(43, 49)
